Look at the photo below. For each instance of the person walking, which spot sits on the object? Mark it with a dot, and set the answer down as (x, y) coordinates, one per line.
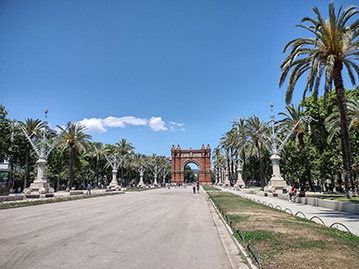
(198, 187)
(88, 189)
(194, 188)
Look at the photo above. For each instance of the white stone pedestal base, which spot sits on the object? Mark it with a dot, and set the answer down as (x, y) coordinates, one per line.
(277, 183)
(239, 184)
(114, 185)
(39, 189)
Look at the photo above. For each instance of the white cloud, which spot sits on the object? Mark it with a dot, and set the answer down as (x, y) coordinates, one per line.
(93, 125)
(123, 121)
(176, 123)
(98, 125)
(157, 124)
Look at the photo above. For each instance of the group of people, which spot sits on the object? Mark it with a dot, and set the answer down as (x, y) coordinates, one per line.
(195, 186)
(293, 194)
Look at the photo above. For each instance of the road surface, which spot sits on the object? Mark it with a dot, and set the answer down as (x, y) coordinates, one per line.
(152, 229)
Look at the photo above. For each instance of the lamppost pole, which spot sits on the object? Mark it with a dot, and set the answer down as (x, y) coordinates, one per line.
(114, 163)
(141, 184)
(276, 181)
(40, 187)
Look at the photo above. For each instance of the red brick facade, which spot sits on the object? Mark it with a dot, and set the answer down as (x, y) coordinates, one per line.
(202, 158)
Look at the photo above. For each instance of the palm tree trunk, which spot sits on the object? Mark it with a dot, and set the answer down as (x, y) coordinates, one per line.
(306, 162)
(128, 175)
(27, 165)
(58, 182)
(122, 179)
(244, 168)
(251, 168)
(261, 171)
(97, 161)
(71, 169)
(344, 128)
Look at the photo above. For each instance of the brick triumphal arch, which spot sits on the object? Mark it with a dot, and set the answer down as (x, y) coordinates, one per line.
(202, 158)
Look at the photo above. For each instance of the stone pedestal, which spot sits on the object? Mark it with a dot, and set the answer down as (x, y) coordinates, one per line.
(276, 182)
(239, 183)
(40, 187)
(226, 180)
(114, 184)
(155, 184)
(141, 184)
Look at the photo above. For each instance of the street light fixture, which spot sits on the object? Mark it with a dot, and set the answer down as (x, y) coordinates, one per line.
(276, 181)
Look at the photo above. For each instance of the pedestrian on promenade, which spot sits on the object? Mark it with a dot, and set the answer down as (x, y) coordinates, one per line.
(293, 193)
(88, 189)
(194, 188)
(198, 187)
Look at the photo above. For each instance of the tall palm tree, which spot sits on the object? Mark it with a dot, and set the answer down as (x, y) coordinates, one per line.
(218, 159)
(73, 138)
(255, 128)
(291, 118)
(334, 45)
(98, 149)
(124, 147)
(228, 144)
(32, 128)
(242, 147)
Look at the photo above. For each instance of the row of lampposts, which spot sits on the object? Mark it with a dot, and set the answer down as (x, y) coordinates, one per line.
(40, 187)
(276, 182)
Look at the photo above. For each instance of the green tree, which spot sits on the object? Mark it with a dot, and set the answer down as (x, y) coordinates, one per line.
(97, 151)
(334, 45)
(5, 133)
(124, 147)
(189, 175)
(73, 138)
(254, 128)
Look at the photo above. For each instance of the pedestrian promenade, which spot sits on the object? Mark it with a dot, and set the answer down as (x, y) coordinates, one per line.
(327, 215)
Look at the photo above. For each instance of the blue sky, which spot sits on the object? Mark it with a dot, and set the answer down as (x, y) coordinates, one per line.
(156, 73)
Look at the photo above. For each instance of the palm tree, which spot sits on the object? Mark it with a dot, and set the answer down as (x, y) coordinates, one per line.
(124, 147)
(218, 159)
(292, 117)
(73, 138)
(242, 147)
(32, 128)
(255, 128)
(98, 149)
(228, 144)
(334, 46)
(333, 120)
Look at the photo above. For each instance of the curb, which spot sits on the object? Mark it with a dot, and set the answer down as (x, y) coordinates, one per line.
(229, 230)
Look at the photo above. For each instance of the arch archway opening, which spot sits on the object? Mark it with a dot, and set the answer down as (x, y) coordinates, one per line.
(191, 172)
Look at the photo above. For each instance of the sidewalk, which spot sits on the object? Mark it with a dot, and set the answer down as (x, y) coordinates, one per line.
(328, 216)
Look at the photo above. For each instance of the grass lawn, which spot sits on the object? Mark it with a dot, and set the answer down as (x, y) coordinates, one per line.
(210, 188)
(285, 241)
(337, 197)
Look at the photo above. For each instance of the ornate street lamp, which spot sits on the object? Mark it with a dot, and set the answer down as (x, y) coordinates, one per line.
(239, 183)
(276, 181)
(40, 187)
(141, 184)
(114, 163)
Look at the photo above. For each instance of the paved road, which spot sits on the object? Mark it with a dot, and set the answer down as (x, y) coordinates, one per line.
(152, 229)
(327, 215)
